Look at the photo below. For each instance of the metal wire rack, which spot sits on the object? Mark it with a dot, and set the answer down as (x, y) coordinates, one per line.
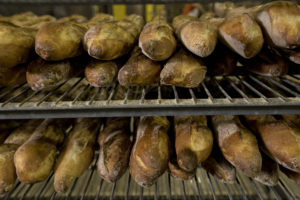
(203, 186)
(236, 95)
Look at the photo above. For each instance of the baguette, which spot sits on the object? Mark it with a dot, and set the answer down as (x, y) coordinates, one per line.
(242, 34)
(177, 172)
(13, 76)
(267, 63)
(35, 158)
(285, 152)
(43, 75)
(219, 167)
(198, 36)
(269, 174)
(157, 39)
(294, 176)
(193, 141)
(57, 41)
(113, 39)
(281, 23)
(238, 144)
(183, 70)
(115, 146)
(139, 70)
(16, 45)
(151, 151)
(77, 154)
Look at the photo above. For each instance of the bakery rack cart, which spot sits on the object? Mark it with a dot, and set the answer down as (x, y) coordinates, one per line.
(237, 94)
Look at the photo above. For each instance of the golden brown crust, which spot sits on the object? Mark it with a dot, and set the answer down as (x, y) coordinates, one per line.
(23, 132)
(115, 147)
(193, 141)
(269, 174)
(183, 70)
(150, 154)
(16, 45)
(139, 70)
(180, 21)
(220, 168)
(238, 144)
(157, 39)
(77, 154)
(59, 40)
(242, 34)
(294, 176)
(13, 76)
(281, 23)
(47, 75)
(34, 159)
(285, 151)
(7, 168)
(111, 40)
(101, 73)
(177, 172)
(267, 63)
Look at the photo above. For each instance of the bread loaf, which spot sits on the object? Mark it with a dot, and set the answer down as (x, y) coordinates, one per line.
(42, 75)
(177, 172)
(285, 151)
(269, 174)
(59, 40)
(242, 34)
(238, 144)
(281, 23)
(221, 62)
(115, 146)
(77, 154)
(267, 63)
(183, 70)
(101, 73)
(99, 18)
(139, 70)
(157, 39)
(113, 39)
(193, 141)
(150, 154)
(35, 158)
(219, 167)
(294, 176)
(16, 45)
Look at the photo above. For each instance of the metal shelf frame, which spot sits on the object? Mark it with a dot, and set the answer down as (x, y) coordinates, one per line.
(215, 96)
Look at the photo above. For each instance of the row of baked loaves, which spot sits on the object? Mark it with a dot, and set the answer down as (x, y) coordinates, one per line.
(35, 148)
(258, 37)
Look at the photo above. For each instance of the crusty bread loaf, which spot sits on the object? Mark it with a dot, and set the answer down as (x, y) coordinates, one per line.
(98, 18)
(77, 153)
(267, 63)
(59, 40)
(193, 141)
(139, 70)
(16, 45)
(242, 34)
(280, 139)
(219, 167)
(23, 132)
(115, 146)
(180, 21)
(157, 39)
(183, 70)
(113, 39)
(221, 62)
(177, 172)
(35, 158)
(294, 176)
(44, 75)
(281, 23)
(101, 73)
(150, 154)
(13, 76)
(7, 168)
(238, 144)
(269, 174)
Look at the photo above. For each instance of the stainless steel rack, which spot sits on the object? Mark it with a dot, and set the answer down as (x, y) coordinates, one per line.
(203, 186)
(237, 94)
